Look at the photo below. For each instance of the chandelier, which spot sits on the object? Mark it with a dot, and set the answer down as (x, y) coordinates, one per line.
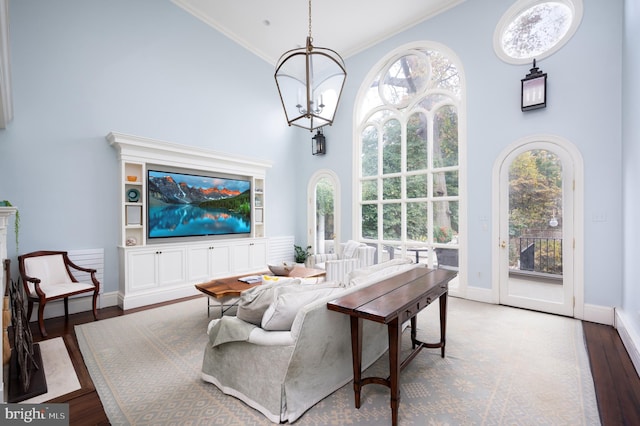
(310, 81)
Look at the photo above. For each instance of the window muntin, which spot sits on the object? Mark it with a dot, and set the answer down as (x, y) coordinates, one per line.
(409, 159)
(536, 29)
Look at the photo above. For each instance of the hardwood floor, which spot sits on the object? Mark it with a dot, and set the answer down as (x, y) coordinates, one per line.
(617, 384)
(616, 381)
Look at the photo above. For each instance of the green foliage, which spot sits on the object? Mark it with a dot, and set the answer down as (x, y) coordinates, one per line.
(535, 189)
(240, 204)
(324, 197)
(301, 254)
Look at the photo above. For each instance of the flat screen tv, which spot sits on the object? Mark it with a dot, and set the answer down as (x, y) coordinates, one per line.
(196, 205)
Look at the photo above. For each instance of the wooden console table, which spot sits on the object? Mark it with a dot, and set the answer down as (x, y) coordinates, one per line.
(392, 302)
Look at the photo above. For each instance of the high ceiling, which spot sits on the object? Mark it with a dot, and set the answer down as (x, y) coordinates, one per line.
(268, 28)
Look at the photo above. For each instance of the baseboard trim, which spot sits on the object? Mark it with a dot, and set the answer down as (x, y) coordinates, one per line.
(629, 336)
(599, 314)
(144, 299)
(479, 294)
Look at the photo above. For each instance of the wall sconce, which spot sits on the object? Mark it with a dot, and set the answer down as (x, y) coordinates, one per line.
(319, 144)
(534, 89)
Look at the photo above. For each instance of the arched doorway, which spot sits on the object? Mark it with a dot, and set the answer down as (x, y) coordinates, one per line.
(538, 228)
(323, 220)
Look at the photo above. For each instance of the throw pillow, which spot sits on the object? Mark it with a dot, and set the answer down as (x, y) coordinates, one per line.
(350, 249)
(280, 314)
(255, 301)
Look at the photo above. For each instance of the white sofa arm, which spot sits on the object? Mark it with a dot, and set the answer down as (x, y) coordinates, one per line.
(337, 270)
(262, 337)
(366, 256)
(318, 260)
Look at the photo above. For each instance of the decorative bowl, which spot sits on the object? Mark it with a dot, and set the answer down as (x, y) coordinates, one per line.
(132, 178)
(282, 269)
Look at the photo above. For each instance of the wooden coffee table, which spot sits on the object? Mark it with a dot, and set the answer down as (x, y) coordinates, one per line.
(224, 289)
(302, 272)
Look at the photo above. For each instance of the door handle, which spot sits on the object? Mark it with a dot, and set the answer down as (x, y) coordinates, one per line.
(503, 244)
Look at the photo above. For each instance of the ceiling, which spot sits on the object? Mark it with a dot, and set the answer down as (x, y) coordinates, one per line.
(268, 28)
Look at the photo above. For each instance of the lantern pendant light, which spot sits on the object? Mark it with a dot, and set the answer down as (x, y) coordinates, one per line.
(310, 81)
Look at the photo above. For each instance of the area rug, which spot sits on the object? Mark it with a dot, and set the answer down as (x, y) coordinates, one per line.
(58, 371)
(502, 366)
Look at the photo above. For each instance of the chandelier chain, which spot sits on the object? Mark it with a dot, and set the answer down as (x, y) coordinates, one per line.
(310, 20)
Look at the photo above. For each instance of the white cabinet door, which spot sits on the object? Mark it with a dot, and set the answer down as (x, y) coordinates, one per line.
(198, 264)
(171, 266)
(209, 261)
(156, 267)
(220, 260)
(240, 256)
(141, 270)
(250, 256)
(258, 254)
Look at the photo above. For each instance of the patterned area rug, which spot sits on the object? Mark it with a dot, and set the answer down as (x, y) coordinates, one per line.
(502, 366)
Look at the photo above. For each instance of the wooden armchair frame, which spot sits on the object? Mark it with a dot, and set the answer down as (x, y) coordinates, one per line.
(36, 290)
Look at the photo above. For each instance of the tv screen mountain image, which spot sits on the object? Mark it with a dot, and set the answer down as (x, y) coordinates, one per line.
(191, 205)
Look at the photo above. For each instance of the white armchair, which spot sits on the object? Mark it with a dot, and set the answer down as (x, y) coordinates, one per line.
(352, 255)
(46, 276)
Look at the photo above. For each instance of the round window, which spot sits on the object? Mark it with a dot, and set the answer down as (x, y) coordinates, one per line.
(536, 29)
(405, 78)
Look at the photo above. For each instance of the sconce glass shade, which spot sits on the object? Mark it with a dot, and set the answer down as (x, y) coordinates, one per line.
(318, 144)
(534, 89)
(310, 82)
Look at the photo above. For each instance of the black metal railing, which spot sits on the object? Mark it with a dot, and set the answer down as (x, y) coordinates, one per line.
(541, 255)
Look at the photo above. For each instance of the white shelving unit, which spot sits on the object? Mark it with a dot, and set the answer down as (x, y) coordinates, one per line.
(258, 208)
(152, 273)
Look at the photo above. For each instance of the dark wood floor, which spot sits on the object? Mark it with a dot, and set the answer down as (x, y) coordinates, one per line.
(617, 384)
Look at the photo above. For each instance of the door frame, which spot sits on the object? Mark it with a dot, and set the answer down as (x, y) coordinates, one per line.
(311, 205)
(578, 212)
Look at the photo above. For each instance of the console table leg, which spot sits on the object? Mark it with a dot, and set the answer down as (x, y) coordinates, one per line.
(395, 340)
(414, 331)
(443, 321)
(356, 354)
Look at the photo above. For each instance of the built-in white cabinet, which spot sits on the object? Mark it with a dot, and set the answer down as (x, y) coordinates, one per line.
(155, 268)
(250, 255)
(157, 272)
(209, 261)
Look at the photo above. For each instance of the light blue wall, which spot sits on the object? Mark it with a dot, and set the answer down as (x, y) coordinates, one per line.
(84, 68)
(630, 165)
(584, 106)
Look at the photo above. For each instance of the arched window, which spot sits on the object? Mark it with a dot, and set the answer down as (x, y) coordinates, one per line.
(409, 132)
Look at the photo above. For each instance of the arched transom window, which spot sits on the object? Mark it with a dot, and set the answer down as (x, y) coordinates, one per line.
(409, 168)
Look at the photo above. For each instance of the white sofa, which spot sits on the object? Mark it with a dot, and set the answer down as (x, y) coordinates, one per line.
(284, 373)
(351, 255)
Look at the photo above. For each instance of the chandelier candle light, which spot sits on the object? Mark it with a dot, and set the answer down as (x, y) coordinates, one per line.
(310, 81)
